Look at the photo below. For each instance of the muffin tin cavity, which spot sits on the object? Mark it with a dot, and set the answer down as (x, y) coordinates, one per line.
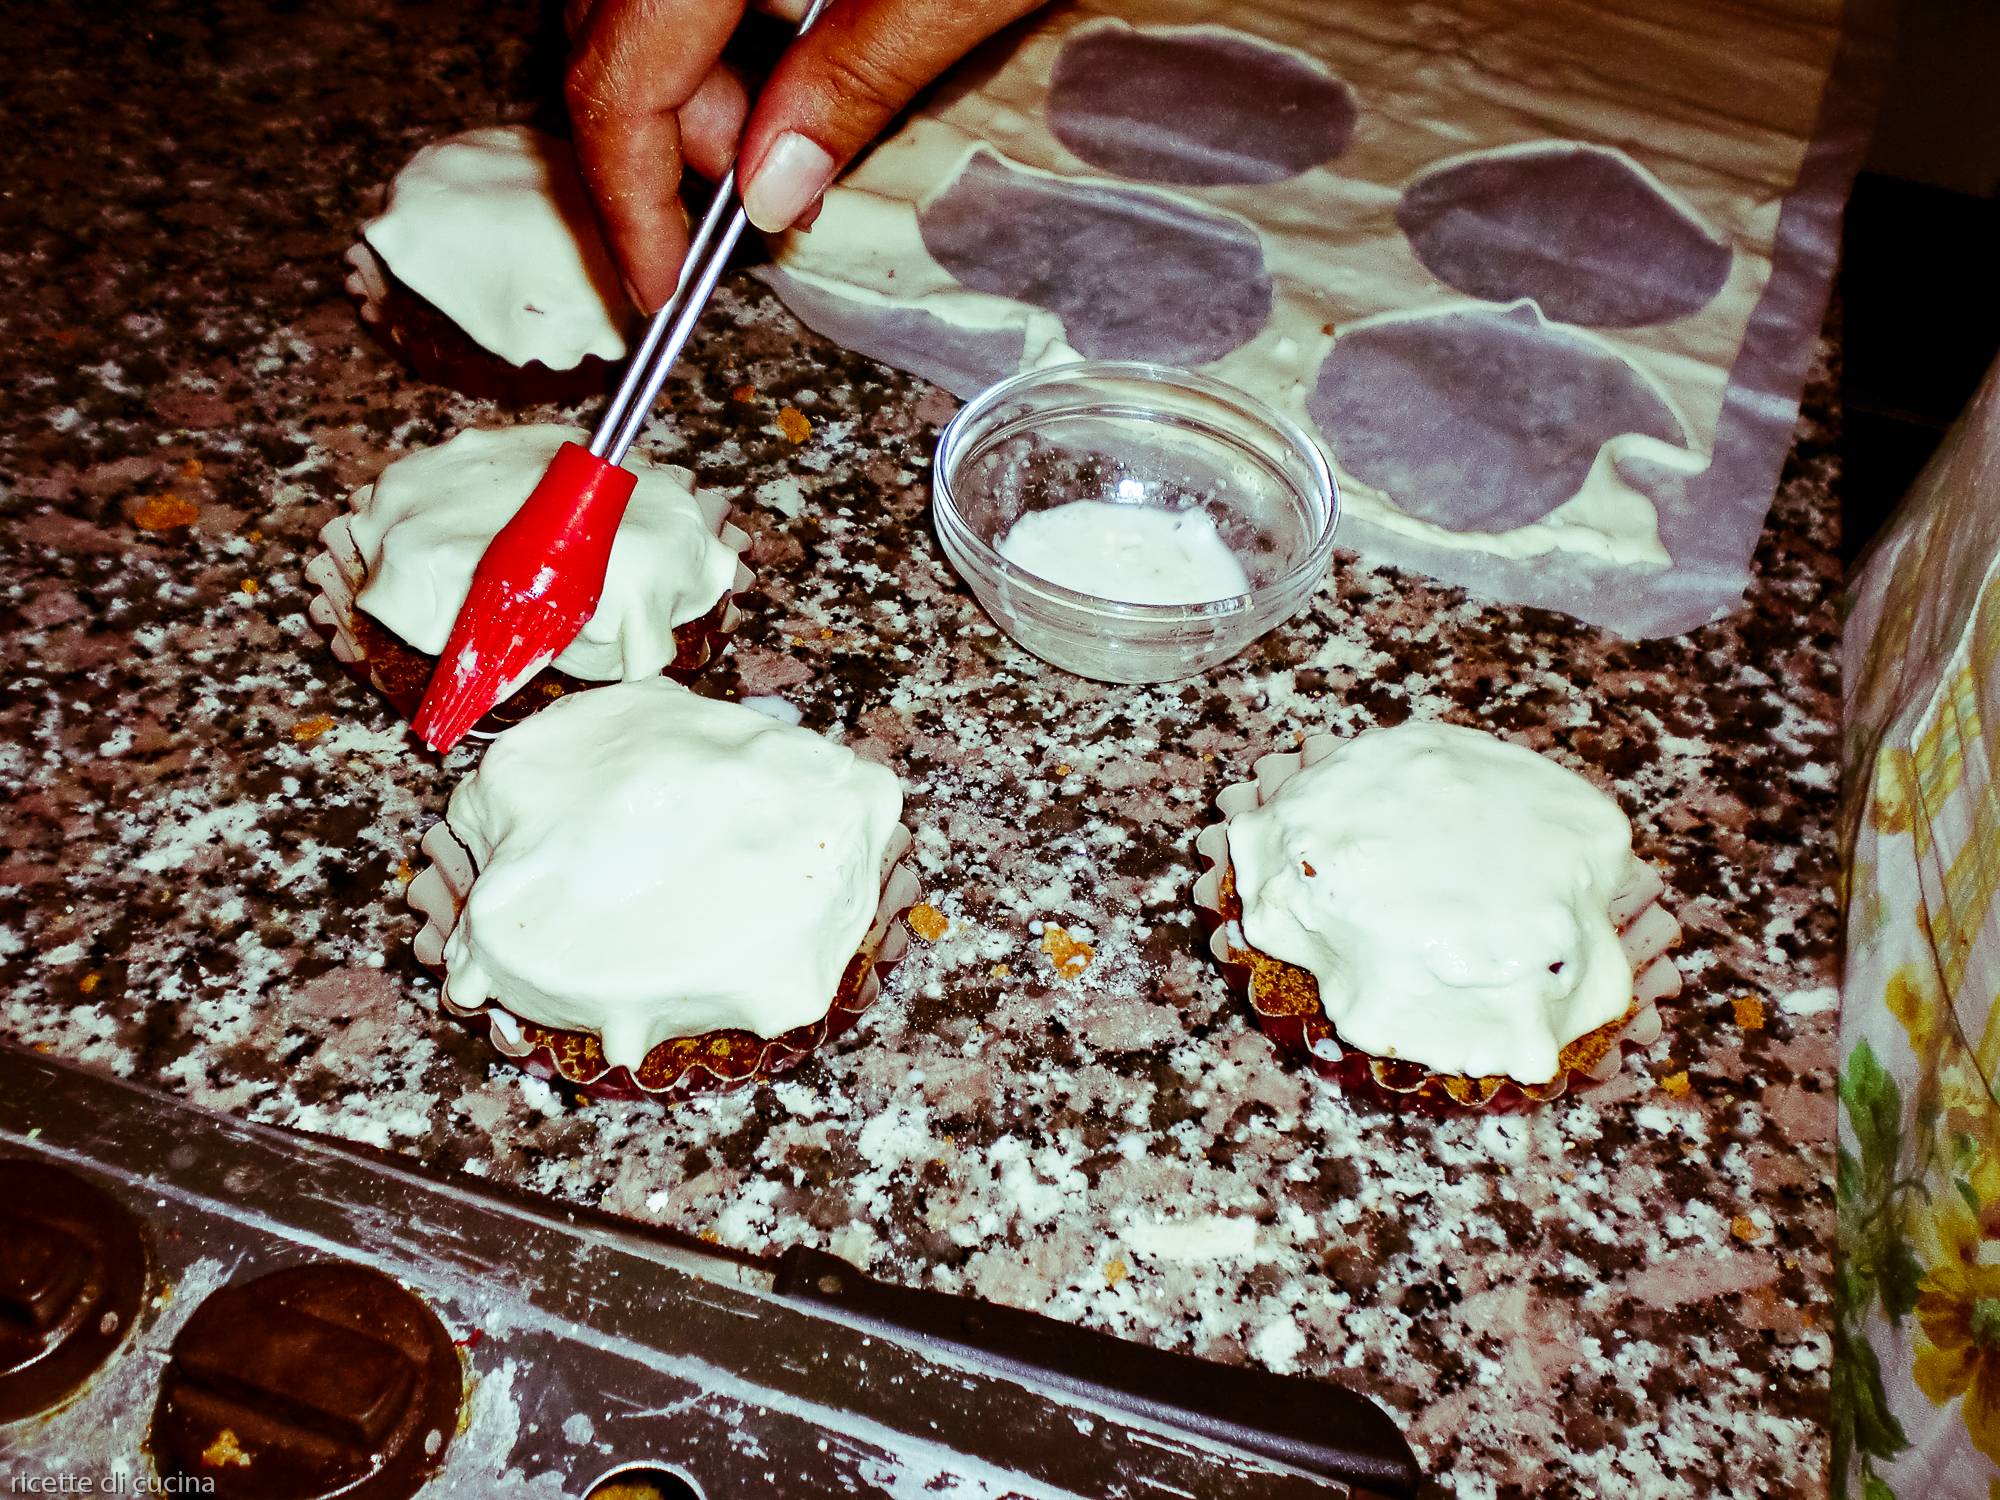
(1480, 419)
(1199, 108)
(72, 1279)
(318, 1380)
(1582, 231)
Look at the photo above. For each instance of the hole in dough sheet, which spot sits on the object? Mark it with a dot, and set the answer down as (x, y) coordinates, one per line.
(1132, 274)
(1578, 229)
(1478, 419)
(1195, 109)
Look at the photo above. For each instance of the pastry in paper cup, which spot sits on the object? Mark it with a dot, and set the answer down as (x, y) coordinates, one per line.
(397, 564)
(481, 267)
(679, 807)
(1287, 998)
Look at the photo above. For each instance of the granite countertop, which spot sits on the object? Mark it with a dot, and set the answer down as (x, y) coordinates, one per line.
(211, 826)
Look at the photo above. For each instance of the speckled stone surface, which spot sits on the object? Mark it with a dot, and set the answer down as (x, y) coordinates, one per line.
(1621, 1295)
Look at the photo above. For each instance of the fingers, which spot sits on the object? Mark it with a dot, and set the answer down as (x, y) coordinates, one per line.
(841, 83)
(712, 121)
(647, 93)
(637, 65)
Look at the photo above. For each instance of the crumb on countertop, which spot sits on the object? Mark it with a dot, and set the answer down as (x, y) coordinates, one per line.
(164, 512)
(1069, 956)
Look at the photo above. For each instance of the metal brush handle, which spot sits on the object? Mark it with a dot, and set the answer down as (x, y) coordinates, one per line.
(668, 332)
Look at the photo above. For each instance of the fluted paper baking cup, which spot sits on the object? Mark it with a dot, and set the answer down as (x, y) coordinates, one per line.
(1285, 998)
(375, 657)
(680, 1067)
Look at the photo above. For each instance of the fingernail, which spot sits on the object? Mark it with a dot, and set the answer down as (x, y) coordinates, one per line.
(793, 173)
(632, 296)
(810, 217)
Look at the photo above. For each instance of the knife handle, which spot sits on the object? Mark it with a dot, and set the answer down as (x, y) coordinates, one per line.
(1311, 1425)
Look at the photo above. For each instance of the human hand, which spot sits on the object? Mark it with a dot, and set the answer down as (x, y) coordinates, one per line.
(648, 94)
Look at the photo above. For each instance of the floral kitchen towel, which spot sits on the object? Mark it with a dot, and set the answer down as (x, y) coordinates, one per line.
(1916, 1385)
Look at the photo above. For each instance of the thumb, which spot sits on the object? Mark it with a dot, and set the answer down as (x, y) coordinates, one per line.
(841, 83)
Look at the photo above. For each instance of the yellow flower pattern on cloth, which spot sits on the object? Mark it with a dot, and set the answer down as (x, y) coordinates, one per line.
(1895, 781)
(1916, 1337)
(1958, 1311)
(1917, 1004)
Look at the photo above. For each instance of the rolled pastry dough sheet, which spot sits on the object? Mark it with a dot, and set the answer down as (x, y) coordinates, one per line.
(1631, 172)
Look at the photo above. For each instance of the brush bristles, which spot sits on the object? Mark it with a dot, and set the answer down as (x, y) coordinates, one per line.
(468, 682)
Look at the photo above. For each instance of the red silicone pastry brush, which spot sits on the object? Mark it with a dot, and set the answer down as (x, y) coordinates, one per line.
(539, 580)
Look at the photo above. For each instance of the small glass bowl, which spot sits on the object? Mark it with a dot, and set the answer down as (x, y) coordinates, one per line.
(1132, 433)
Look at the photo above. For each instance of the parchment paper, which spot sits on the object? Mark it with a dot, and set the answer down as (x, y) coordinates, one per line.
(1545, 278)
